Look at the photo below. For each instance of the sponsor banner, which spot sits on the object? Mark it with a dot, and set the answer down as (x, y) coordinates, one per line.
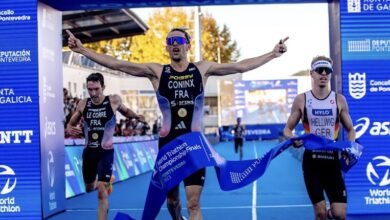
(74, 183)
(109, 4)
(22, 55)
(9, 179)
(258, 132)
(11, 15)
(365, 82)
(141, 162)
(365, 37)
(130, 159)
(51, 119)
(122, 164)
(20, 168)
(151, 153)
(369, 183)
(367, 92)
(116, 171)
(365, 30)
(255, 132)
(368, 48)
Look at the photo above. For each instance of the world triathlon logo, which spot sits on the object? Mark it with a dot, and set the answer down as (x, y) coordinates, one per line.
(11, 179)
(357, 85)
(378, 171)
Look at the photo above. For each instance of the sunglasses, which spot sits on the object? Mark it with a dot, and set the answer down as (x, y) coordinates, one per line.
(178, 40)
(320, 70)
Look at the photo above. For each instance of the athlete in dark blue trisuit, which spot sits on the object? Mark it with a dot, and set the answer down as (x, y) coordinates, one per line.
(238, 132)
(98, 113)
(179, 88)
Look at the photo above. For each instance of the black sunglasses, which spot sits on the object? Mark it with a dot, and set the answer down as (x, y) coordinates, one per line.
(320, 70)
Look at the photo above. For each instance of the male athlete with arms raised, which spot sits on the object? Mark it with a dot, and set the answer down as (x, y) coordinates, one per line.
(179, 88)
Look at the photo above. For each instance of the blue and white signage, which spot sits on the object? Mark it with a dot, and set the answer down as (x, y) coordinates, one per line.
(20, 176)
(368, 6)
(365, 37)
(51, 119)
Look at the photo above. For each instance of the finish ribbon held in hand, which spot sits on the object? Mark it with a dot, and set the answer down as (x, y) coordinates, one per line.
(191, 152)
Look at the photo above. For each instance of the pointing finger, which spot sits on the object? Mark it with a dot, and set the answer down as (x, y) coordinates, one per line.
(284, 40)
(70, 33)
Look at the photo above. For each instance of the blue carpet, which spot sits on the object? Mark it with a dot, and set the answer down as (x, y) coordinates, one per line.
(280, 193)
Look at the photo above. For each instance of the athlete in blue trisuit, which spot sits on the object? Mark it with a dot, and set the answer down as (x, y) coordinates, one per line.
(238, 132)
(321, 111)
(179, 88)
(99, 120)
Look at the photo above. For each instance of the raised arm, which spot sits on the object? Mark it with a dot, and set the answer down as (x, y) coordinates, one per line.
(216, 69)
(346, 118)
(142, 70)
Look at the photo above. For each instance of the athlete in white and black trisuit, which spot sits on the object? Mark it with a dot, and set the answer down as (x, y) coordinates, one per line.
(321, 111)
(98, 114)
(238, 132)
(179, 88)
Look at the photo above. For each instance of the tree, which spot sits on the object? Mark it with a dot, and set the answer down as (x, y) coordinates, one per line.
(151, 46)
(302, 73)
(217, 45)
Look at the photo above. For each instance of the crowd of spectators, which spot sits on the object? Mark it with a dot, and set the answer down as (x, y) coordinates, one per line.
(132, 127)
(125, 127)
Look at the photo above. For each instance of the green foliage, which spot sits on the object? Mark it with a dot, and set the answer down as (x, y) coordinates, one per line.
(217, 45)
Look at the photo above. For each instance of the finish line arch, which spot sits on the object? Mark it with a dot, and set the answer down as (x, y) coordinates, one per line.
(31, 159)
